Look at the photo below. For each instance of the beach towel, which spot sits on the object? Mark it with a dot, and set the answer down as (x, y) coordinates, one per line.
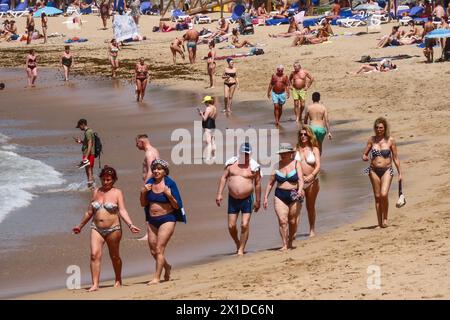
(254, 165)
(276, 22)
(124, 27)
(180, 213)
(75, 39)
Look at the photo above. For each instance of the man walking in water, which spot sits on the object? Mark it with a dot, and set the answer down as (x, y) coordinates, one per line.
(319, 121)
(143, 143)
(244, 177)
(191, 37)
(88, 150)
(300, 85)
(279, 91)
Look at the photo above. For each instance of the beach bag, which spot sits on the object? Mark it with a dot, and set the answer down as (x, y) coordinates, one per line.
(295, 196)
(258, 51)
(365, 59)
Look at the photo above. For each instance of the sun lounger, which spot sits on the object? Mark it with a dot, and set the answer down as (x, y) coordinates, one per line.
(238, 11)
(178, 15)
(276, 22)
(4, 8)
(19, 10)
(72, 10)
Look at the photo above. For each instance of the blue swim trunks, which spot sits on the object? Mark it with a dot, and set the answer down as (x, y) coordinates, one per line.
(191, 44)
(240, 205)
(279, 98)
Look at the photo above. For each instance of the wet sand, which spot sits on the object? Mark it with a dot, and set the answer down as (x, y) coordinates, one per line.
(41, 230)
(411, 253)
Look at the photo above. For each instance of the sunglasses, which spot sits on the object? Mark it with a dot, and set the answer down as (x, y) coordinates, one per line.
(303, 134)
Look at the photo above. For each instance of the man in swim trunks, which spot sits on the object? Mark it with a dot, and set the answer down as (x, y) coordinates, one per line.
(151, 153)
(244, 177)
(88, 150)
(191, 38)
(300, 85)
(319, 122)
(429, 43)
(279, 91)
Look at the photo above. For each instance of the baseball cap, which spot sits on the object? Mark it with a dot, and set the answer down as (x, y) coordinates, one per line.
(245, 148)
(80, 122)
(285, 147)
(207, 98)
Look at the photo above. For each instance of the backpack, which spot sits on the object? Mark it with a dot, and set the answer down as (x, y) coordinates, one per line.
(98, 147)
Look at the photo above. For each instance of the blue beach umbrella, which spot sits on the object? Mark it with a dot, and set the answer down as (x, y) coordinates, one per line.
(438, 33)
(49, 11)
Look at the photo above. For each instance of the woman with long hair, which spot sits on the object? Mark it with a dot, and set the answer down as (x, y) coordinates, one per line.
(308, 155)
(106, 208)
(383, 151)
(231, 82)
(113, 52)
(44, 24)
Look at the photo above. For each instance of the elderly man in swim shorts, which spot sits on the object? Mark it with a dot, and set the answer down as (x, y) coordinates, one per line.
(300, 85)
(319, 123)
(191, 38)
(279, 91)
(244, 177)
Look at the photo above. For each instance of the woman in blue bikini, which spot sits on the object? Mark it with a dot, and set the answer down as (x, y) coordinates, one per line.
(106, 208)
(288, 194)
(383, 151)
(160, 204)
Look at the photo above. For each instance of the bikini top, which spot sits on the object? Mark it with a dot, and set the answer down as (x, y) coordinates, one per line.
(231, 74)
(385, 153)
(114, 49)
(290, 177)
(112, 208)
(31, 60)
(157, 197)
(209, 54)
(142, 73)
(310, 158)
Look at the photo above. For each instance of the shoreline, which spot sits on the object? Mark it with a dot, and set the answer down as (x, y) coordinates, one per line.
(411, 253)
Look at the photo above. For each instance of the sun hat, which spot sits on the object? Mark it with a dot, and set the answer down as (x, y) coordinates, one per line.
(285, 147)
(207, 98)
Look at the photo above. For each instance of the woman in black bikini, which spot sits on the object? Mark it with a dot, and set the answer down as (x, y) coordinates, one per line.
(31, 67)
(288, 194)
(141, 77)
(230, 84)
(30, 25)
(211, 63)
(158, 198)
(383, 150)
(44, 23)
(67, 62)
(106, 208)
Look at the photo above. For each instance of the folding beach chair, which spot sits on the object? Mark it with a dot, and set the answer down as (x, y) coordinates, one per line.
(238, 11)
(19, 10)
(72, 10)
(4, 8)
(178, 15)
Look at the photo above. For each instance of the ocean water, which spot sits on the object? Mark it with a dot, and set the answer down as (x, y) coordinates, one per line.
(20, 177)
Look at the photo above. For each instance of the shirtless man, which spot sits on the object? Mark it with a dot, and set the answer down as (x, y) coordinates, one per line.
(30, 25)
(292, 30)
(143, 143)
(244, 177)
(335, 10)
(278, 90)
(299, 84)
(429, 43)
(191, 36)
(177, 46)
(319, 122)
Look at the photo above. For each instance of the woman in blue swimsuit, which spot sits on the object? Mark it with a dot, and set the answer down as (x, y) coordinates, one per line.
(288, 193)
(105, 209)
(383, 151)
(160, 206)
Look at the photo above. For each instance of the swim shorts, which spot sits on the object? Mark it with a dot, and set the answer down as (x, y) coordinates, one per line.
(192, 44)
(240, 205)
(319, 132)
(299, 94)
(279, 98)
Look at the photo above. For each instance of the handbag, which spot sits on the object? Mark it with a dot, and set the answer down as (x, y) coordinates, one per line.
(295, 196)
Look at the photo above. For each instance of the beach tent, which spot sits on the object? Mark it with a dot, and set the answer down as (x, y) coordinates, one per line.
(124, 27)
(49, 11)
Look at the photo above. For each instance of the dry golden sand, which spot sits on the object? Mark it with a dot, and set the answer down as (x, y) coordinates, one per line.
(412, 253)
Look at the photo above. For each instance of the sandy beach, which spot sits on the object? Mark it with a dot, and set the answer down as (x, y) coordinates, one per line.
(411, 254)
